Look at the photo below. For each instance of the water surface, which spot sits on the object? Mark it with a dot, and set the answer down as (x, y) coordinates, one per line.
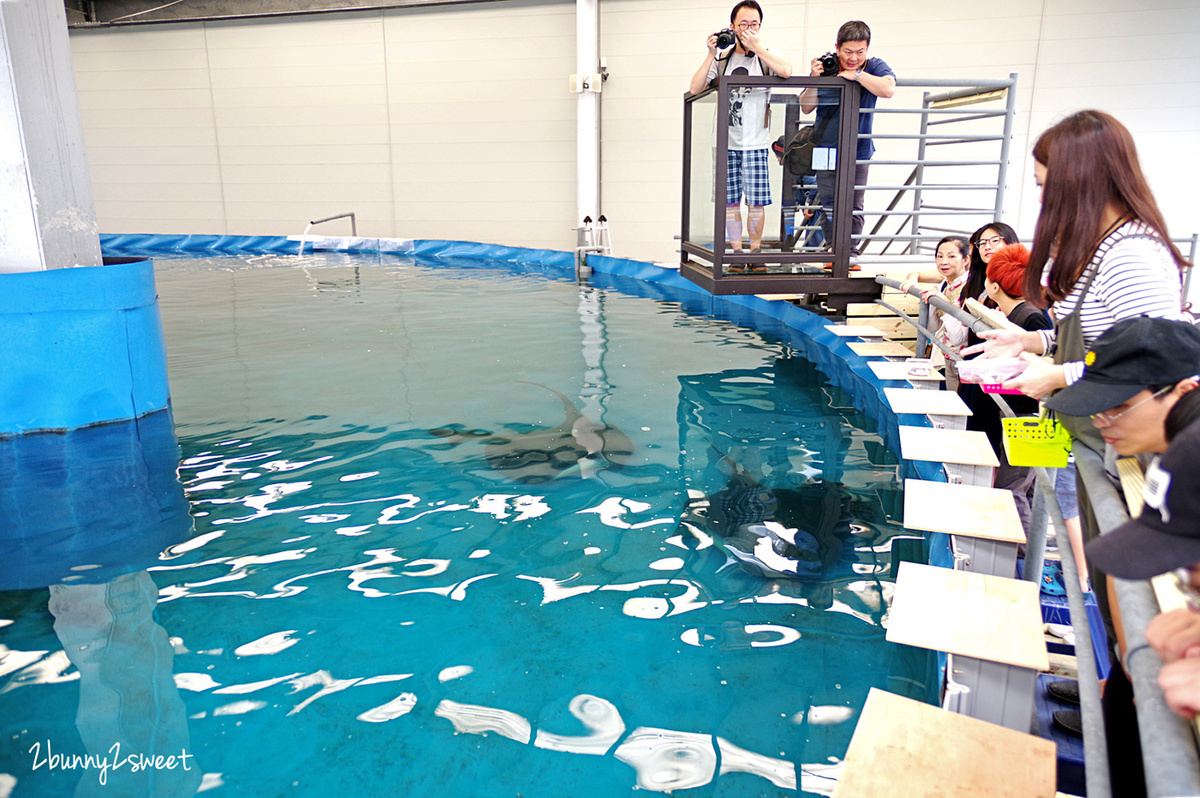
(458, 528)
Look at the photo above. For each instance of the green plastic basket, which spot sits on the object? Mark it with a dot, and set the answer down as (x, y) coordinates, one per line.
(1033, 441)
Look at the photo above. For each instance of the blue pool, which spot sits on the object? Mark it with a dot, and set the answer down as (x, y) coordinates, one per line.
(454, 527)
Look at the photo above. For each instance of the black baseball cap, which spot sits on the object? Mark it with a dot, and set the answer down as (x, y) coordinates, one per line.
(1166, 535)
(1129, 357)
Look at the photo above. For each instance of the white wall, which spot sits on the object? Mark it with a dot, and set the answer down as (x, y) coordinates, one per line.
(456, 122)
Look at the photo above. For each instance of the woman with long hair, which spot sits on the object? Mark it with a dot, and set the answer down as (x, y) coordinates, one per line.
(985, 242)
(1101, 253)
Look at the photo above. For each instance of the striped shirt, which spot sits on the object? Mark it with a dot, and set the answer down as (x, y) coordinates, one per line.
(1136, 277)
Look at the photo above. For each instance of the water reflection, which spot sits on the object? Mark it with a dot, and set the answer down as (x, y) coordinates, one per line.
(84, 514)
(664, 760)
(532, 454)
(130, 718)
(89, 504)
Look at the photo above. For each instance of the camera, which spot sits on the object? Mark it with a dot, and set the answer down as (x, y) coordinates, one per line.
(830, 64)
(726, 38)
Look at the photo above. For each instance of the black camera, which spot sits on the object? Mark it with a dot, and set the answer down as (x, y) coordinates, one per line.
(830, 64)
(726, 38)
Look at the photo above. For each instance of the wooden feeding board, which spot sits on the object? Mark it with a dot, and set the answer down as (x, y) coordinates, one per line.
(879, 349)
(965, 447)
(899, 370)
(962, 510)
(995, 318)
(907, 749)
(925, 403)
(854, 330)
(987, 617)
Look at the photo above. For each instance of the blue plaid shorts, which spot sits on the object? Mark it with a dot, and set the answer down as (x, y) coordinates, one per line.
(748, 167)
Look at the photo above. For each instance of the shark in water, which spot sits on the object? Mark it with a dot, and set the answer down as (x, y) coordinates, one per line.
(578, 446)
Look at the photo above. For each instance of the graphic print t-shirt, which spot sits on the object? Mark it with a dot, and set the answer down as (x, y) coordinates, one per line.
(747, 106)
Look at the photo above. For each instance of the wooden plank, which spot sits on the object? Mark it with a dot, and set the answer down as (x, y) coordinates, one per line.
(926, 403)
(965, 447)
(893, 328)
(903, 748)
(879, 349)
(1133, 483)
(993, 618)
(905, 302)
(854, 330)
(899, 370)
(995, 318)
(966, 510)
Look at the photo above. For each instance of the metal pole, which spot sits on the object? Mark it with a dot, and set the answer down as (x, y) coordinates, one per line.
(587, 125)
(1169, 753)
(1095, 741)
(1006, 143)
(915, 246)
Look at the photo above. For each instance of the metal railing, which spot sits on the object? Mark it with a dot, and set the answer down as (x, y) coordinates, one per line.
(1170, 756)
(923, 212)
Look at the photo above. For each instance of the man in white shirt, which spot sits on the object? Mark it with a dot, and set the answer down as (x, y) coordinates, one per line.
(749, 123)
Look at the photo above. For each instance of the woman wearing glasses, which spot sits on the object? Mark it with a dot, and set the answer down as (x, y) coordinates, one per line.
(985, 242)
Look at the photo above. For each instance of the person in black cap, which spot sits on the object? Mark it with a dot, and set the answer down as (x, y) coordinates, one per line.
(1166, 537)
(1133, 375)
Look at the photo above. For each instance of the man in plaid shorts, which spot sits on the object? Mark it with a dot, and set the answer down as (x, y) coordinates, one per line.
(749, 130)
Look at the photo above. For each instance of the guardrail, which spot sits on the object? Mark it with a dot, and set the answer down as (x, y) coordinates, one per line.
(1170, 756)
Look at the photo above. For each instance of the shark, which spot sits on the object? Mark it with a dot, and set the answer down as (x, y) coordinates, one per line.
(577, 446)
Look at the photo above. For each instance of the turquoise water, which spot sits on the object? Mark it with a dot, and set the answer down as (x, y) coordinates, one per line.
(463, 529)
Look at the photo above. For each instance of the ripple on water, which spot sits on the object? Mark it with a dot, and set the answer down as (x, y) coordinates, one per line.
(365, 587)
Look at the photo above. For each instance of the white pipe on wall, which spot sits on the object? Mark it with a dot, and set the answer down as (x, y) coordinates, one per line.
(587, 69)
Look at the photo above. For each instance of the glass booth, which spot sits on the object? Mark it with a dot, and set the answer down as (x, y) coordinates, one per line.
(793, 234)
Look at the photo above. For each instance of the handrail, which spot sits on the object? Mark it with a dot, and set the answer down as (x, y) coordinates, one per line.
(1095, 737)
(1169, 752)
(1169, 755)
(970, 320)
(932, 115)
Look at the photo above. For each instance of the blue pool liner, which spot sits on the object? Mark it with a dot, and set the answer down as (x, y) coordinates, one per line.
(88, 505)
(84, 346)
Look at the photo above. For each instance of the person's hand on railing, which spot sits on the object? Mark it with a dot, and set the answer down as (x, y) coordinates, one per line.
(1175, 635)
(909, 281)
(1180, 683)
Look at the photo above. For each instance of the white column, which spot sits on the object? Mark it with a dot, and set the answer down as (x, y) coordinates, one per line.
(587, 68)
(47, 214)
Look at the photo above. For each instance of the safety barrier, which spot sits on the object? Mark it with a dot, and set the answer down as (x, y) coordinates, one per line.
(1170, 756)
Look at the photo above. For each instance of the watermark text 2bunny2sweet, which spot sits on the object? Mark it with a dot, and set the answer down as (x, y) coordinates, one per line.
(110, 761)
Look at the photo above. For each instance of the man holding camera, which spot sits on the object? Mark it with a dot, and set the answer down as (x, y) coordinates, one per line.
(848, 61)
(749, 120)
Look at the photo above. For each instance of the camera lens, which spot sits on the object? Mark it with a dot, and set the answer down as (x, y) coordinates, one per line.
(726, 38)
